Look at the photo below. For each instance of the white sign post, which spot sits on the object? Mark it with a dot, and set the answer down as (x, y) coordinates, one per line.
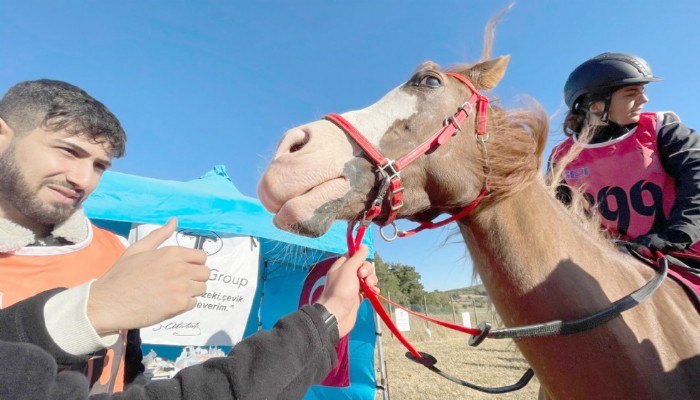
(466, 319)
(402, 322)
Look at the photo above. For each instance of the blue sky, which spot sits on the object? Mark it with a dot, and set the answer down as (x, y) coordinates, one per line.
(201, 83)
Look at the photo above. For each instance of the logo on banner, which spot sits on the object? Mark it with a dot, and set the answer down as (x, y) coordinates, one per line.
(208, 241)
(313, 287)
(221, 314)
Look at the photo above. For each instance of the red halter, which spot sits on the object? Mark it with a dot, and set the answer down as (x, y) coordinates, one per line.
(391, 183)
(391, 169)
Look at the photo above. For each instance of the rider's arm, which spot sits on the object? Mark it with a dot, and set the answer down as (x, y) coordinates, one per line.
(679, 150)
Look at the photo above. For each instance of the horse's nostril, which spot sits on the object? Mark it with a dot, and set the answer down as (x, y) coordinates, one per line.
(296, 147)
(299, 144)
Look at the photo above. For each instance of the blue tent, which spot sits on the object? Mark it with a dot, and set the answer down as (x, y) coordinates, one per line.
(213, 203)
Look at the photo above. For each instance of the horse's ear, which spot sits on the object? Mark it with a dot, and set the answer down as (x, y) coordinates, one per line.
(487, 74)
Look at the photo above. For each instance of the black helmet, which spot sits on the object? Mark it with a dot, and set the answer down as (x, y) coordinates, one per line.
(606, 71)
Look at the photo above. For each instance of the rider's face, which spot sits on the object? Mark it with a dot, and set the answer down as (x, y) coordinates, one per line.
(626, 104)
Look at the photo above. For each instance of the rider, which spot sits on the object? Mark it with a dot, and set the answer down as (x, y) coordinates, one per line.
(642, 169)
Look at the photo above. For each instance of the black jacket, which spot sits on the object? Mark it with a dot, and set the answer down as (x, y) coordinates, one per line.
(281, 363)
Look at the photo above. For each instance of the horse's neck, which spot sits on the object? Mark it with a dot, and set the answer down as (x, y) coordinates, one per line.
(538, 265)
(531, 255)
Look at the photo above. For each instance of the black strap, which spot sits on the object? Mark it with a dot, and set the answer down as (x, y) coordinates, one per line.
(552, 328)
(677, 265)
(591, 321)
(429, 362)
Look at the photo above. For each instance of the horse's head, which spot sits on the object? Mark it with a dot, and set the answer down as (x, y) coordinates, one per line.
(320, 174)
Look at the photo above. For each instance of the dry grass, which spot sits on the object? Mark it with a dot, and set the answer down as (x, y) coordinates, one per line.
(494, 363)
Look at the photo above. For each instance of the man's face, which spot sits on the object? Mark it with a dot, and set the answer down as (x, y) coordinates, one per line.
(45, 176)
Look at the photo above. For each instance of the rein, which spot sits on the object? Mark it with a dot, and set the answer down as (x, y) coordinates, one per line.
(392, 188)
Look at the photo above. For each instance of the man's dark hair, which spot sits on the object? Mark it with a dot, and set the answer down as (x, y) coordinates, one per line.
(55, 105)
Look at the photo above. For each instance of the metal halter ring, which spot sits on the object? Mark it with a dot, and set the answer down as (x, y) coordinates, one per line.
(384, 236)
(388, 170)
(451, 120)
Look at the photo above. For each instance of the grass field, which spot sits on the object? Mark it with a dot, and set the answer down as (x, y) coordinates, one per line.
(493, 363)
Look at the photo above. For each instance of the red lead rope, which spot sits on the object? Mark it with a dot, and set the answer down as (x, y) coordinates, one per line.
(374, 297)
(354, 245)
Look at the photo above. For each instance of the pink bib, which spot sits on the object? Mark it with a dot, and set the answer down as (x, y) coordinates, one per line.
(626, 180)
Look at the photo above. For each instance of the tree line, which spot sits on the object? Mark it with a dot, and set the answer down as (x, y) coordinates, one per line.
(402, 283)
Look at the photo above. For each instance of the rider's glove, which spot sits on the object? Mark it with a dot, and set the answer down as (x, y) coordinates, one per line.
(671, 240)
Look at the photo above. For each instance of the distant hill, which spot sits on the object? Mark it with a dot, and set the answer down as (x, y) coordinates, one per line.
(471, 290)
(472, 296)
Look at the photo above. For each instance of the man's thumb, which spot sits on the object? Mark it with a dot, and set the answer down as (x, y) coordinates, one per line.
(155, 238)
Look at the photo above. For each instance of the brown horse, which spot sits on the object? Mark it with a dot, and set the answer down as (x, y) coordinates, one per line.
(538, 261)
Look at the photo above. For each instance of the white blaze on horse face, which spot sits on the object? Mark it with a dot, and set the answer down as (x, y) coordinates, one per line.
(307, 172)
(374, 121)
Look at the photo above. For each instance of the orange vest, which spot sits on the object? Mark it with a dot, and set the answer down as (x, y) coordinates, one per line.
(34, 269)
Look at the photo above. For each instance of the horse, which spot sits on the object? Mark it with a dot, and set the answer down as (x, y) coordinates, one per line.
(537, 259)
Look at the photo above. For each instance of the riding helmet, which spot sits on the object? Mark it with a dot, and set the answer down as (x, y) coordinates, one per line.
(606, 71)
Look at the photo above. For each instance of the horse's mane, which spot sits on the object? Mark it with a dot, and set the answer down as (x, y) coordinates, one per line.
(515, 148)
(515, 152)
(578, 205)
(517, 137)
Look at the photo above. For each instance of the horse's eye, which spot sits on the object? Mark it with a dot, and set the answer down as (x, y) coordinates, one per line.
(430, 81)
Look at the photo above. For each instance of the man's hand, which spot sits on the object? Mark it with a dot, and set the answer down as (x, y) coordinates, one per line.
(341, 294)
(148, 285)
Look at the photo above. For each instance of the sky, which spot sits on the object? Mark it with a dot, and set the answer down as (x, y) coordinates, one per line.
(201, 83)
